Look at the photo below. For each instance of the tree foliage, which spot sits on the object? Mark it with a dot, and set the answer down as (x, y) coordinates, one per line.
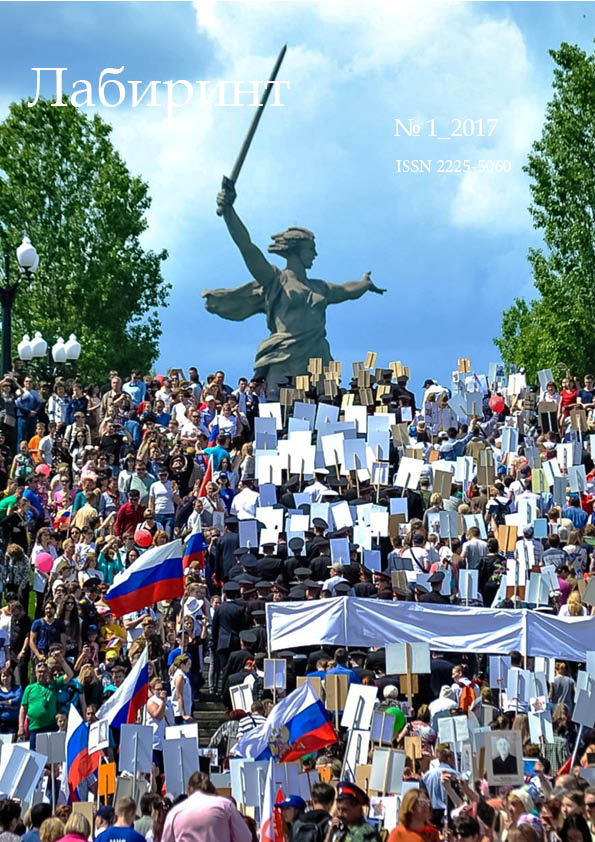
(557, 327)
(63, 183)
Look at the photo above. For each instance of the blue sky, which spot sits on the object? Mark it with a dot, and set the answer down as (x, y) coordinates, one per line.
(450, 248)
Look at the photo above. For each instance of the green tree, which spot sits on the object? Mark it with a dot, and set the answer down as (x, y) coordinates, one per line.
(557, 328)
(63, 183)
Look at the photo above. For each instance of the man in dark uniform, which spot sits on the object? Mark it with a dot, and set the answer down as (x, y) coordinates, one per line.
(435, 597)
(349, 824)
(229, 620)
(224, 552)
(241, 555)
(270, 565)
(320, 564)
(235, 662)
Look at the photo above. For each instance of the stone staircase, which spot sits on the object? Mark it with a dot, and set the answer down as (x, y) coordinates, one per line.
(210, 713)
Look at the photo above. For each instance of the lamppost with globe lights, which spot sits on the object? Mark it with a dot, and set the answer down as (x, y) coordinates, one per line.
(37, 348)
(28, 260)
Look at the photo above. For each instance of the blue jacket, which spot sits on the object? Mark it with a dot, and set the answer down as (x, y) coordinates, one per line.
(28, 402)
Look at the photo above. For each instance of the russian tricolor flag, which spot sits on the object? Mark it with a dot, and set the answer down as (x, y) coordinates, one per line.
(194, 550)
(208, 477)
(158, 574)
(299, 724)
(130, 697)
(79, 762)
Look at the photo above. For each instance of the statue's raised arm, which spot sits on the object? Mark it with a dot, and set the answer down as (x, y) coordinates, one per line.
(257, 264)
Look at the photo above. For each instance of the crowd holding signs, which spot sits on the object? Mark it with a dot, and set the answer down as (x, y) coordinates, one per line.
(390, 593)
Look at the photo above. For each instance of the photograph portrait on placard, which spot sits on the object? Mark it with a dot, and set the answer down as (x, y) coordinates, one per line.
(504, 759)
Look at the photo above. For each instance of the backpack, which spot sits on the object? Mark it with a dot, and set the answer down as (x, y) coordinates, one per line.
(305, 830)
(499, 513)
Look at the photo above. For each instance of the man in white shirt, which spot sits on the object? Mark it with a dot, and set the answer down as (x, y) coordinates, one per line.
(46, 444)
(245, 502)
(317, 489)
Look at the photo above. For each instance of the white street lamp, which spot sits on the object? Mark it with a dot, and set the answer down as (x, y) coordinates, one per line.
(24, 349)
(39, 346)
(73, 348)
(59, 351)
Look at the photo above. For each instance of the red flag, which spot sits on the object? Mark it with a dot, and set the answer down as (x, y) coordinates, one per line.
(208, 477)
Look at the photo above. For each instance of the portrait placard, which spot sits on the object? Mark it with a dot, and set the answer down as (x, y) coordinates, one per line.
(504, 758)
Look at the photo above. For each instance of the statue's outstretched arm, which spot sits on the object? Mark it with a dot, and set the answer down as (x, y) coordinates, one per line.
(352, 290)
(258, 266)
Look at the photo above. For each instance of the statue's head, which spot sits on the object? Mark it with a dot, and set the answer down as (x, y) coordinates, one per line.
(291, 241)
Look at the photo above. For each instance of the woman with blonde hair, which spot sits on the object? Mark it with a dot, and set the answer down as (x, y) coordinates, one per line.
(574, 606)
(51, 830)
(77, 828)
(414, 818)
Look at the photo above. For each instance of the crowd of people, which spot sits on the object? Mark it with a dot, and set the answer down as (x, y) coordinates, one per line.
(92, 478)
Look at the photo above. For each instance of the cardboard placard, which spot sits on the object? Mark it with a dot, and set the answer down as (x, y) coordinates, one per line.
(442, 483)
(336, 689)
(314, 681)
(315, 365)
(85, 808)
(507, 538)
(413, 748)
(362, 776)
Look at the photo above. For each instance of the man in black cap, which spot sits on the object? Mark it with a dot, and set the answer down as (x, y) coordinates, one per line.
(245, 562)
(280, 591)
(224, 550)
(87, 609)
(259, 629)
(365, 586)
(270, 565)
(295, 560)
(320, 526)
(435, 597)
(313, 589)
(320, 564)
(229, 620)
(237, 659)
(349, 823)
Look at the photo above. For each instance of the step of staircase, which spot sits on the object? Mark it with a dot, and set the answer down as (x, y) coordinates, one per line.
(210, 713)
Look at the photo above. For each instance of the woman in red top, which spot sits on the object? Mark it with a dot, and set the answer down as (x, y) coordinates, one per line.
(568, 398)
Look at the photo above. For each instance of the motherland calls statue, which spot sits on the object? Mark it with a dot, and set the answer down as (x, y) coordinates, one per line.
(295, 305)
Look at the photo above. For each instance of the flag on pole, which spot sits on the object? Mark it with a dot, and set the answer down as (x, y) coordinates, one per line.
(130, 697)
(194, 550)
(158, 574)
(299, 724)
(208, 477)
(79, 762)
(271, 822)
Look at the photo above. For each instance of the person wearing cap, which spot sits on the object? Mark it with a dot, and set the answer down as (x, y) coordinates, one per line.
(317, 489)
(349, 824)
(229, 620)
(104, 818)
(270, 565)
(435, 597)
(292, 808)
(225, 549)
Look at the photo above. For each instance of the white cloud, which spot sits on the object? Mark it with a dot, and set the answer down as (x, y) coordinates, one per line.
(353, 67)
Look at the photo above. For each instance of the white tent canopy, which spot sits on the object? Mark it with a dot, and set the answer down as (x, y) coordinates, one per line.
(352, 621)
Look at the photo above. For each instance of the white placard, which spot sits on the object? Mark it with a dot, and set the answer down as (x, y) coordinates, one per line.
(409, 473)
(136, 749)
(271, 410)
(359, 707)
(391, 777)
(396, 658)
(180, 759)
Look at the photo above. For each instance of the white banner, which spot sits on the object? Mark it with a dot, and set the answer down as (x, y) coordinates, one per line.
(352, 621)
